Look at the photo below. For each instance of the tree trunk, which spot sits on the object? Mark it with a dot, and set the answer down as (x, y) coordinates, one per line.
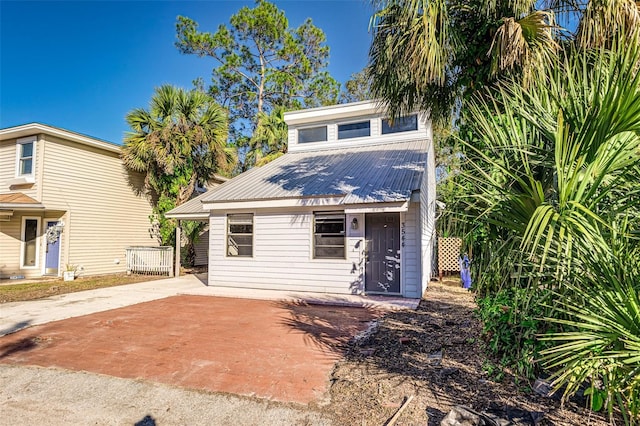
(186, 192)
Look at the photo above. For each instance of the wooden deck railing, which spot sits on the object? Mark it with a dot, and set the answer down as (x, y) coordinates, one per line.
(150, 260)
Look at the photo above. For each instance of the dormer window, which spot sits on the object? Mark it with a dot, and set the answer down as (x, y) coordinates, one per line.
(312, 134)
(25, 151)
(402, 124)
(354, 130)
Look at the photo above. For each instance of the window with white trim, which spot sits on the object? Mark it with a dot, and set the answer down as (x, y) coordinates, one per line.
(354, 130)
(26, 154)
(30, 232)
(240, 235)
(329, 236)
(312, 134)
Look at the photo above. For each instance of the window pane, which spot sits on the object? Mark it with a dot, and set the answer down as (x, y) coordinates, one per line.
(354, 130)
(241, 218)
(27, 150)
(323, 240)
(30, 229)
(245, 251)
(241, 240)
(240, 229)
(315, 134)
(402, 124)
(25, 166)
(330, 252)
(331, 227)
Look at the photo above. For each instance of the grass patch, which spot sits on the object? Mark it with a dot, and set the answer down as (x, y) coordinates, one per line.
(38, 290)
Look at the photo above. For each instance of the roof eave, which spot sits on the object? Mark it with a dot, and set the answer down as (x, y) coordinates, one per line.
(38, 128)
(21, 206)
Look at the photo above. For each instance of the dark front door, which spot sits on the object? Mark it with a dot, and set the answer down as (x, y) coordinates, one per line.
(382, 270)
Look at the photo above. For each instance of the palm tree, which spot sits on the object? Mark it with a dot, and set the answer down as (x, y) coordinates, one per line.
(433, 54)
(269, 140)
(178, 142)
(552, 173)
(557, 164)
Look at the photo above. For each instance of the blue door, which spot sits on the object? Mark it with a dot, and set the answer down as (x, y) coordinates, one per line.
(52, 259)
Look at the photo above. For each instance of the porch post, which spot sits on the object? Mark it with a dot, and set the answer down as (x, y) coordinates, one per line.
(176, 272)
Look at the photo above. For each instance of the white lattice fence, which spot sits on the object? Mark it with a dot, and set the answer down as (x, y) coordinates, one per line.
(448, 254)
(150, 260)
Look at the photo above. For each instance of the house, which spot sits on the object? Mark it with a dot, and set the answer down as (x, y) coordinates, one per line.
(65, 198)
(349, 209)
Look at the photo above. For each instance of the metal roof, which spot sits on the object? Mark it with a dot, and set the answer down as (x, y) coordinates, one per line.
(368, 174)
(192, 209)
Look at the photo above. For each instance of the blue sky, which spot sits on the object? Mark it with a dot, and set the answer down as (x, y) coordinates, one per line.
(82, 65)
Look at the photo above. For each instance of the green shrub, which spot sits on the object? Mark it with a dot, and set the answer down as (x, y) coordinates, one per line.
(511, 325)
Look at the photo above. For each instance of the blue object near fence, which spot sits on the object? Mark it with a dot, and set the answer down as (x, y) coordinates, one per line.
(465, 273)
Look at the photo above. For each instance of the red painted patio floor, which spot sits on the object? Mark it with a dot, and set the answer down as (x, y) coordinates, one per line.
(277, 350)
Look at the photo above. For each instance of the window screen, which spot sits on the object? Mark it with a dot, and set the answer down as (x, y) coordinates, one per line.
(329, 236)
(240, 235)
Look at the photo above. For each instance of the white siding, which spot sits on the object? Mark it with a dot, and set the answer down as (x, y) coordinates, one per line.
(411, 265)
(427, 215)
(282, 257)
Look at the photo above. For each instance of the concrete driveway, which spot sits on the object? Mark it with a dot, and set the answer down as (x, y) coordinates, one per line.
(280, 350)
(19, 315)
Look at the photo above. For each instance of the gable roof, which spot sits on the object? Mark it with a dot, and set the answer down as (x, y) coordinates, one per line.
(383, 173)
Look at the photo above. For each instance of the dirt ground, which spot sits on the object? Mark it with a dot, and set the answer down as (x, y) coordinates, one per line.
(434, 354)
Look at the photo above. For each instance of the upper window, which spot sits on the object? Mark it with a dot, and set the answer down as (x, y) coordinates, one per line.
(312, 134)
(329, 236)
(26, 156)
(240, 235)
(402, 124)
(354, 130)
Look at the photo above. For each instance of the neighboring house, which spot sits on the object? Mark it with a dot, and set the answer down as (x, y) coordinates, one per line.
(66, 198)
(349, 209)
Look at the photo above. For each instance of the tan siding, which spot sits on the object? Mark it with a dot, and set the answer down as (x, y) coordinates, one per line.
(104, 214)
(282, 257)
(10, 247)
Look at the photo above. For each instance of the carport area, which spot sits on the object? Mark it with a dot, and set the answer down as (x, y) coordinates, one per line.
(269, 349)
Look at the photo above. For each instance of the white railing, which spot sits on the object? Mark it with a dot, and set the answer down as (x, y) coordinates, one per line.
(150, 260)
